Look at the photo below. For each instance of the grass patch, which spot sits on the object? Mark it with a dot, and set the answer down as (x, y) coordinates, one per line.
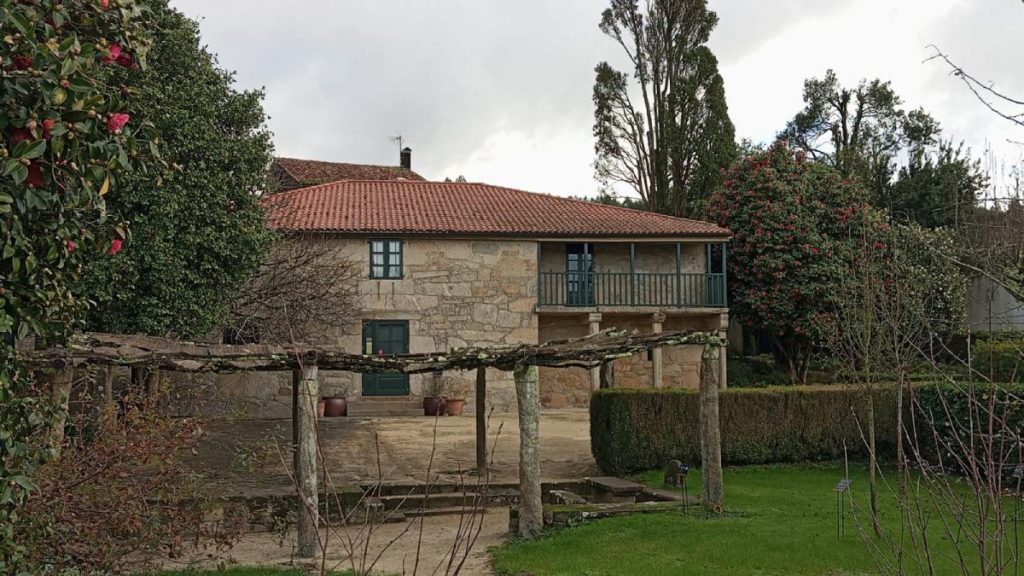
(780, 520)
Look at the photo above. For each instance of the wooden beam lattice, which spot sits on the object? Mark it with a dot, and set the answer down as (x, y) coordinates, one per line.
(95, 349)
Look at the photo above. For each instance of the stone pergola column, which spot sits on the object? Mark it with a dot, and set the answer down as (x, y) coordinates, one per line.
(595, 373)
(657, 370)
(305, 394)
(723, 333)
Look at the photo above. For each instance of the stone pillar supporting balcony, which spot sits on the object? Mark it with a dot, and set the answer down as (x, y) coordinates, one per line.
(595, 327)
(657, 377)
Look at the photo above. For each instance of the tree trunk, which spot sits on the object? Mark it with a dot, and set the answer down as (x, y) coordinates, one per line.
(481, 422)
(710, 433)
(60, 390)
(872, 464)
(900, 458)
(607, 375)
(152, 385)
(108, 384)
(531, 509)
(306, 469)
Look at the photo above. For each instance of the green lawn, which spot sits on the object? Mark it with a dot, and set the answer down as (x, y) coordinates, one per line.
(780, 520)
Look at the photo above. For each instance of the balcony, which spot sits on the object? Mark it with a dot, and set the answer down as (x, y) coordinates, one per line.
(680, 275)
(642, 289)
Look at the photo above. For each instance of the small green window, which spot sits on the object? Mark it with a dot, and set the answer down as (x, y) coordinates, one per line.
(386, 259)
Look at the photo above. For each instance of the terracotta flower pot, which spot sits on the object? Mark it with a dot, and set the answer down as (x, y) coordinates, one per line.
(433, 406)
(454, 406)
(336, 407)
(320, 407)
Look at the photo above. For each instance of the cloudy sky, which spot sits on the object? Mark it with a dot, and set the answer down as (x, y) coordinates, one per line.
(499, 91)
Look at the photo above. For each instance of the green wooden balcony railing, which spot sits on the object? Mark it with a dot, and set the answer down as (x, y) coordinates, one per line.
(667, 290)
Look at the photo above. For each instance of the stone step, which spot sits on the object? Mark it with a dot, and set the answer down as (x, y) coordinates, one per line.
(411, 503)
(433, 501)
(615, 486)
(453, 511)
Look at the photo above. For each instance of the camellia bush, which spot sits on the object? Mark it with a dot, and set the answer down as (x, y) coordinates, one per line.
(69, 137)
(792, 219)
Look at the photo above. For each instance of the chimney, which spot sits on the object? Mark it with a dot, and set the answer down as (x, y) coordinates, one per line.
(406, 158)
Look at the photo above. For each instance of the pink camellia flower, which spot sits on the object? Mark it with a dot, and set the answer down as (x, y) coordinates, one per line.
(117, 121)
(48, 125)
(20, 135)
(125, 60)
(70, 245)
(35, 175)
(114, 53)
(115, 246)
(104, 4)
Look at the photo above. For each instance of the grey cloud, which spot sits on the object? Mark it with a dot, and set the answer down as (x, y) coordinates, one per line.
(744, 25)
(446, 74)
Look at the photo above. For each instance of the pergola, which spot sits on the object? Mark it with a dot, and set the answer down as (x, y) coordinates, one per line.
(94, 349)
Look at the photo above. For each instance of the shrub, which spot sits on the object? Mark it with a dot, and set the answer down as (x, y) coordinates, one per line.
(121, 497)
(755, 371)
(1001, 359)
(961, 415)
(634, 430)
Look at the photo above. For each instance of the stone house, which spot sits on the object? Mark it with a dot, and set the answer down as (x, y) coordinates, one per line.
(447, 264)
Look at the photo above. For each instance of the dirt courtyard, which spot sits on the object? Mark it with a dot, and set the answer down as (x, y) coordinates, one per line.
(250, 457)
(397, 545)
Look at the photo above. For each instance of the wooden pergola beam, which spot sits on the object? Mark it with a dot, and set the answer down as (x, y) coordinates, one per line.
(94, 349)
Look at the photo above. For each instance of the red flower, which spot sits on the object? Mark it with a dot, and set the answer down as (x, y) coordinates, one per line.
(20, 135)
(115, 246)
(125, 60)
(35, 175)
(70, 245)
(114, 53)
(117, 121)
(48, 125)
(879, 245)
(104, 4)
(23, 62)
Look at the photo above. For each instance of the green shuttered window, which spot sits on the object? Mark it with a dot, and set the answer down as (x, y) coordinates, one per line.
(386, 259)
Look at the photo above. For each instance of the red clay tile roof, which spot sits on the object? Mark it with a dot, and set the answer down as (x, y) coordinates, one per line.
(406, 207)
(313, 172)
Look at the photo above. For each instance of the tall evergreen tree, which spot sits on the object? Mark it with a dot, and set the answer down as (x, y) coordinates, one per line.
(663, 130)
(198, 235)
(937, 188)
(861, 131)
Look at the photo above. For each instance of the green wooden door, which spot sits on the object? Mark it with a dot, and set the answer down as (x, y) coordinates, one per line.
(386, 337)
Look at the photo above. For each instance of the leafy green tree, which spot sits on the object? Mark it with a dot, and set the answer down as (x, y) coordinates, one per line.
(69, 138)
(937, 187)
(792, 219)
(198, 235)
(860, 131)
(663, 130)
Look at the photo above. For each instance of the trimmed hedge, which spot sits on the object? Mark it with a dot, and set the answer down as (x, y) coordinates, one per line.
(633, 430)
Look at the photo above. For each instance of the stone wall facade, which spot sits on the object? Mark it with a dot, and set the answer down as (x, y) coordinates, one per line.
(571, 387)
(473, 292)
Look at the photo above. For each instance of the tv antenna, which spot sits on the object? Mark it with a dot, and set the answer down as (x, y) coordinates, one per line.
(397, 138)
